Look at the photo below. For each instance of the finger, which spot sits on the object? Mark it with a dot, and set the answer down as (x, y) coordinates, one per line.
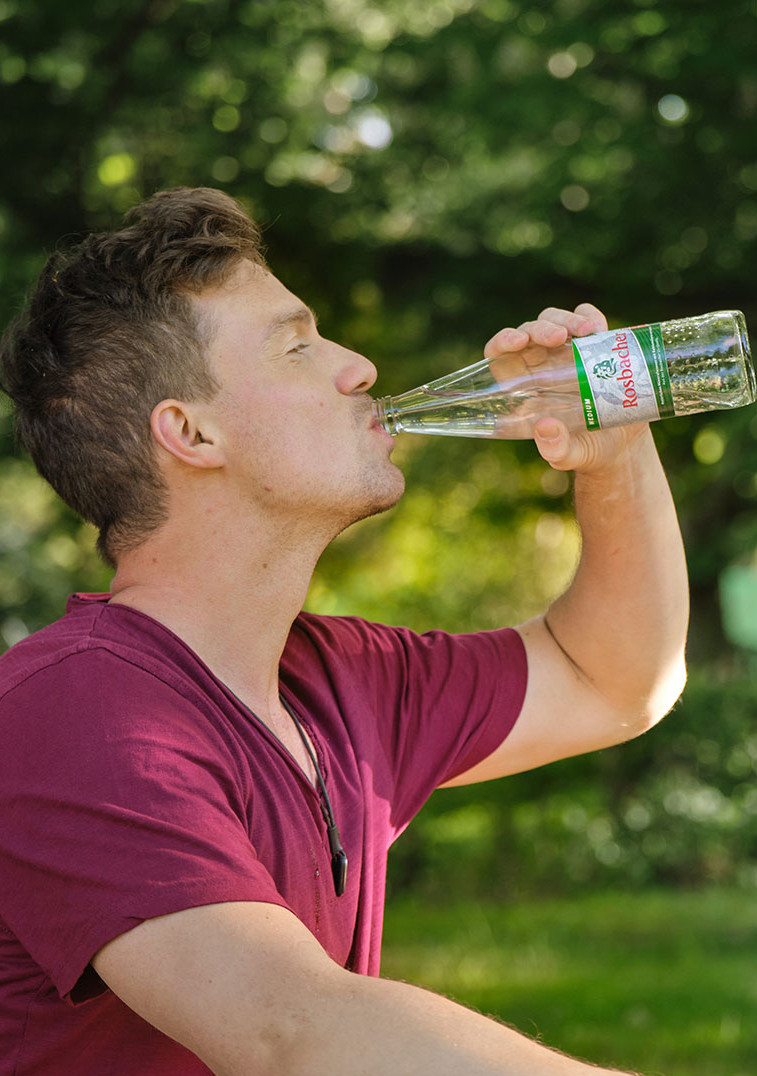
(559, 449)
(545, 333)
(576, 323)
(505, 340)
(583, 451)
(551, 438)
(593, 314)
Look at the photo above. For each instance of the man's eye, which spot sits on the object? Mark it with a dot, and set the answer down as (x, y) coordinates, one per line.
(297, 349)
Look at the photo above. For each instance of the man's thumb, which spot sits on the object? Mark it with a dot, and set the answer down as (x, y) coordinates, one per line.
(553, 442)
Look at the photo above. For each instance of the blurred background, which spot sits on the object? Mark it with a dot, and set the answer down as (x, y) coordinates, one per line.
(427, 172)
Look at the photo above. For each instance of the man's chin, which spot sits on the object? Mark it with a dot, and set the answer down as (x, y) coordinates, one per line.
(392, 495)
(381, 502)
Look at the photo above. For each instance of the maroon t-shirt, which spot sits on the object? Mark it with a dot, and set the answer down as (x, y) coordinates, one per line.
(133, 784)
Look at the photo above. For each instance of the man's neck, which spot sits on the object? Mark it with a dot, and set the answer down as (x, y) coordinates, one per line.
(232, 604)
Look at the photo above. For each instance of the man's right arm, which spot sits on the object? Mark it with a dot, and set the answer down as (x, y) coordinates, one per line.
(248, 989)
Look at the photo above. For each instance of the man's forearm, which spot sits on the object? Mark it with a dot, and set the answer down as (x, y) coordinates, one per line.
(623, 620)
(248, 989)
(400, 1030)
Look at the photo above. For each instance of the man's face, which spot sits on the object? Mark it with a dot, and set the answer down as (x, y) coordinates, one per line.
(294, 408)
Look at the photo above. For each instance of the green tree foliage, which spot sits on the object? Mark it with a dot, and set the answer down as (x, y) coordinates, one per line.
(426, 173)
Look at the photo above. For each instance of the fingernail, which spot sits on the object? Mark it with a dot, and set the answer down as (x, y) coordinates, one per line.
(549, 431)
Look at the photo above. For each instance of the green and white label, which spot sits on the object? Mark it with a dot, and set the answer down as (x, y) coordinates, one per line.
(623, 377)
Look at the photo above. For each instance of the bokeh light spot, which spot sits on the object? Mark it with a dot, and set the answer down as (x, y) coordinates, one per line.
(673, 109)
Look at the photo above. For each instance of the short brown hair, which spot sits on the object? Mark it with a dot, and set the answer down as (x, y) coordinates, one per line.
(109, 331)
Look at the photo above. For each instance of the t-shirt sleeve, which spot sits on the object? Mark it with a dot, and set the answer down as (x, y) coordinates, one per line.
(441, 702)
(119, 804)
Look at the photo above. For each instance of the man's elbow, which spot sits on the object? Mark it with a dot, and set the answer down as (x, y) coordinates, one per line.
(660, 698)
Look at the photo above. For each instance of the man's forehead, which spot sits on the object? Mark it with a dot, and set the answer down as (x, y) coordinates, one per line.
(250, 283)
(255, 295)
(290, 319)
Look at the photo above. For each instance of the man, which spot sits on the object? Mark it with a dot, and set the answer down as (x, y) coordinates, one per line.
(189, 761)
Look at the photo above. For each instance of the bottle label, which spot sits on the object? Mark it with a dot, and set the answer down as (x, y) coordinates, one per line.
(623, 377)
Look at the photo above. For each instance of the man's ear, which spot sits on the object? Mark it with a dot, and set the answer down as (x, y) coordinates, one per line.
(176, 429)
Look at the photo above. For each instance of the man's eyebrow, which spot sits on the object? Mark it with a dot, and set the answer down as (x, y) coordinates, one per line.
(290, 317)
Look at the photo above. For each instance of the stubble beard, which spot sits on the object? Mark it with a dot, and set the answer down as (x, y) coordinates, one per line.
(384, 484)
(382, 494)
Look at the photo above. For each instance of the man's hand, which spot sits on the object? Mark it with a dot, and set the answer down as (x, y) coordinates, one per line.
(538, 341)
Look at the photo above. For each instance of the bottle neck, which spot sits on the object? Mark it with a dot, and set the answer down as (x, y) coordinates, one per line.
(385, 415)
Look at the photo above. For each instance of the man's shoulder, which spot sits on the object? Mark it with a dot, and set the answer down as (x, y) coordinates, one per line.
(106, 675)
(87, 638)
(45, 648)
(366, 652)
(344, 632)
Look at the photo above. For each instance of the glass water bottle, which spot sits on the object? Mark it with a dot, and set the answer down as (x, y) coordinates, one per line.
(607, 379)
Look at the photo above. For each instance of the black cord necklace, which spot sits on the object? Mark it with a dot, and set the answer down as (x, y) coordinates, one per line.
(338, 854)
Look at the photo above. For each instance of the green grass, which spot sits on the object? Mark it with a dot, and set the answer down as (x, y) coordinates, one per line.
(659, 982)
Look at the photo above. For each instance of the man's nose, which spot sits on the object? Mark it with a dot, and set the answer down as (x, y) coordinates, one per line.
(355, 373)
